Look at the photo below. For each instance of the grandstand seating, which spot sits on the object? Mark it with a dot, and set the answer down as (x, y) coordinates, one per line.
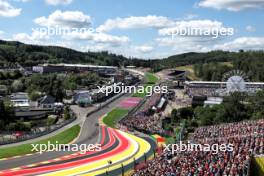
(247, 138)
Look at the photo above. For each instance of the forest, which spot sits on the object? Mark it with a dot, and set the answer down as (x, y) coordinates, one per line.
(29, 55)
(207, 66)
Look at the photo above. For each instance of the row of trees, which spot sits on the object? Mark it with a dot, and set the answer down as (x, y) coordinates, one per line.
(29, 55)
(249, 62)
(196, 58)
(252, 66)
(10, 75)
(52, 84)
(213, 71)
(73, 81)
(7, 114)
(237, 107)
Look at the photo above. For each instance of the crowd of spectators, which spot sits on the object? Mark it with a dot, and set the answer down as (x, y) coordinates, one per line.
(145, 119)
(150, 103)
(202, 92)
(246, 137)
(211, 91)
(148, 124)
(183, 102)
(245, 128)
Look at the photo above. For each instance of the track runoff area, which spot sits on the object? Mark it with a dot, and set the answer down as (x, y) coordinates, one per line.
(119, 153)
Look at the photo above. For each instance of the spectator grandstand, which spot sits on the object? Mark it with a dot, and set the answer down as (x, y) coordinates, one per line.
(246, 137)
(210, 88)
(144, 119)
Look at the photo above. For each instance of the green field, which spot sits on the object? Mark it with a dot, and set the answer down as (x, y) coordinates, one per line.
(113, 117)
(142, 94)
(64, 137)
(150, 80)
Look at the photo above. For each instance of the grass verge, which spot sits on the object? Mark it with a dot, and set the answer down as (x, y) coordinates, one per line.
(140, 94)
(151, 79)
(64, 137)
(113, 117)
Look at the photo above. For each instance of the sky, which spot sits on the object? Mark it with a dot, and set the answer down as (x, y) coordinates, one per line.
(147, 29)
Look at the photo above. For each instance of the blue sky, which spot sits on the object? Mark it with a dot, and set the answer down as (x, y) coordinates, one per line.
(134, 27)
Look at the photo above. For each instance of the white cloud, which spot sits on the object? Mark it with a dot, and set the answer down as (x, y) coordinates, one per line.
(39, 39)
(246, 43)
(188, 28)
(58, 2)
(232, 5)
(2, 35)
(74, 19)
(143, 48)
(21, 37)
(7, 10)
(250, 28)
(132, 22)
(189, 16)
(97, 38)
(139, 51)
(22, 0)
(184, 45)
(34, 38)
(106, 38)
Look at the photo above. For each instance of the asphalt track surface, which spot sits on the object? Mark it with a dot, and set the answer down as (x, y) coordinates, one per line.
(118, 146)
(89, 135)
(132, 164)
(130, 148)
(108, 141)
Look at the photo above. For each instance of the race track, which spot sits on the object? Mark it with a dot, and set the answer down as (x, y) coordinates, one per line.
(120, 151)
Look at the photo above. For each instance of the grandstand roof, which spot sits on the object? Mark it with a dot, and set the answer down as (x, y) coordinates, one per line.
(219, 82)
(80, 65)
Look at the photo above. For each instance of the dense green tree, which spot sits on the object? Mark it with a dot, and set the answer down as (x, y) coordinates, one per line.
(175, 116)
(237, 107)
(7, 113)
(29, 55)
(66, 113)
(186, 112)
(212, 71)
(34, 96)
(17, 86)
